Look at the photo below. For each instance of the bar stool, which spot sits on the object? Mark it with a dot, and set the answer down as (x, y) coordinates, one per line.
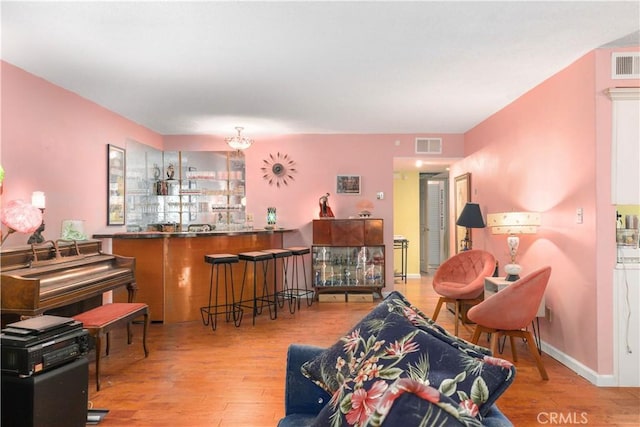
(298, 253)
(286, 292)
(210, 313)
(255, 257)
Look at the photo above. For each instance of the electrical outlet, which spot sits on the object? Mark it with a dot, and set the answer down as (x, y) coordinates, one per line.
(548, 314)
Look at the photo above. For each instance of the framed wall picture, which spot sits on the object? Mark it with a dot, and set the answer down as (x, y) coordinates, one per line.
(116, 157)
(348, 184)
(462, 188)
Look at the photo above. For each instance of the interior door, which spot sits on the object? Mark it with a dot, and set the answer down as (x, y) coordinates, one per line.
(433, 224)
(424, 228)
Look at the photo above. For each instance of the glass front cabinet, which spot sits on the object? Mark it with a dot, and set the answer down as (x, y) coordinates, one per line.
(348, 255)
(184, 191)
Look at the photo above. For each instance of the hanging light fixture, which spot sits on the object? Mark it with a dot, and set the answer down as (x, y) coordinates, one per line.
(239, 142)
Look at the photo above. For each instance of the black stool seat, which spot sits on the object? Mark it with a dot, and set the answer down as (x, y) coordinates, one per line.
(299, 250)
(210, 312)
(221, 259)
(278, 253)
(254, 256)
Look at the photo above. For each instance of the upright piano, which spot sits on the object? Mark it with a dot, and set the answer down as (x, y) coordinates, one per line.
(61, 277)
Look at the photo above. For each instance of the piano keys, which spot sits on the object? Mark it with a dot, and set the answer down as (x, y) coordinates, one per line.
(57, 275)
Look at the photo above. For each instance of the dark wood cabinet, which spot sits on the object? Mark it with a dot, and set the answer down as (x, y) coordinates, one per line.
(348, 232)
(348, 256)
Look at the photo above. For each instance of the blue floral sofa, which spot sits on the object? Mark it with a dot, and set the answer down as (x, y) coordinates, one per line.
(396, 367)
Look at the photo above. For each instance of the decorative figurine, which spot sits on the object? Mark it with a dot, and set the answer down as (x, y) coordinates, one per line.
(37, 236)
(325, 209)
(170, 171)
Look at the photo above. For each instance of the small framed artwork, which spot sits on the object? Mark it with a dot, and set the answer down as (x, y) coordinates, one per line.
(115, 182)
(462, 190)
(348, 184)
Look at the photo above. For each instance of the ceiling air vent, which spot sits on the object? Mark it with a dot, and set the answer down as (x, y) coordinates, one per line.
(625, 65)
(428, 145)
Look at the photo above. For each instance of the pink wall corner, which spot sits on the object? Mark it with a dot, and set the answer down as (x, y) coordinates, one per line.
(605, 234)
(539, 154)
(550, 151)
(55, 141)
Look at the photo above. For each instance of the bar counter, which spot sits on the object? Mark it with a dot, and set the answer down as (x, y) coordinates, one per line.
(171, 274)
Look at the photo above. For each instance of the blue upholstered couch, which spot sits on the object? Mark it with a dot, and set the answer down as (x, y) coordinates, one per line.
(394, 368)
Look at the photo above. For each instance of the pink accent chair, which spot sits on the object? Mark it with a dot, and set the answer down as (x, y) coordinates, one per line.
(510, 311)
(460, 280)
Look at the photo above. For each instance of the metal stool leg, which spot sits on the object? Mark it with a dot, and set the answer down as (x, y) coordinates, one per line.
(298, 256)
(210, 312)
(253, 258)
(283, 255)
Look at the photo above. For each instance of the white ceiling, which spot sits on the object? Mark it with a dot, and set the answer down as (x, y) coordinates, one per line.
(307, 67)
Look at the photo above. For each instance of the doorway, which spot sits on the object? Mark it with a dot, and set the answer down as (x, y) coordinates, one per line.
(434, 233)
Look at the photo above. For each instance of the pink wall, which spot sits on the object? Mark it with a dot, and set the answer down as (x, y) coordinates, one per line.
(56, 142)
(549, 151)
(319, 159)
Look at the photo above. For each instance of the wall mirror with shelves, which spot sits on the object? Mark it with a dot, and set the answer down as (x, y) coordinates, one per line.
(183, 190)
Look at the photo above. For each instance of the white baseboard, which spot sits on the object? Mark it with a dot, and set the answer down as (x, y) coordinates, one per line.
(600, 380)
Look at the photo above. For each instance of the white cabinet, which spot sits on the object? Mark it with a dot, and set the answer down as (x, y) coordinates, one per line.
(626, 334)
(625, 148)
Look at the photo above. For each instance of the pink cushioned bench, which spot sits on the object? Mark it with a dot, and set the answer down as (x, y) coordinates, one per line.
(101, 320)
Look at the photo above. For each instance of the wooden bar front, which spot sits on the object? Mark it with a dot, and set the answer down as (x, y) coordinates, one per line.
(172, 276)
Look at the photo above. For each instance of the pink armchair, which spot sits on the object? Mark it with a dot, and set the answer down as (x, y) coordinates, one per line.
(511, 310)
(460, 280)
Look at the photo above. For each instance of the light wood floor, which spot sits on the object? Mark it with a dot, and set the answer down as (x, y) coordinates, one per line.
(235, 376)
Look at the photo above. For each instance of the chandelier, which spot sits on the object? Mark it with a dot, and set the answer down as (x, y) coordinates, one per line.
(239, 142)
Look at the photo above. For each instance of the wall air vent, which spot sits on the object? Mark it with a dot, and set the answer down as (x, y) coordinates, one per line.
(428, 145)
(625, 65)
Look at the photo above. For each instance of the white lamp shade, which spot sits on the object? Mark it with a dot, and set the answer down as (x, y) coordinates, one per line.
(38, 199)
(514, 222)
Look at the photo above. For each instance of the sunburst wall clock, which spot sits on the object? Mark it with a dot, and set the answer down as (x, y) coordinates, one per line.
(278, 169)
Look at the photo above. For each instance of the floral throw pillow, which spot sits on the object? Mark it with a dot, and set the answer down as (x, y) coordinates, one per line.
(401, 350)
(323, 369)
(405, 402)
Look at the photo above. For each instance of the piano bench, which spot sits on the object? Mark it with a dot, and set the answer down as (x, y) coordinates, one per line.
(101, 320)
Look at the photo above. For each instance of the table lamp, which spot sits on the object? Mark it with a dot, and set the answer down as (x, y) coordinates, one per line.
(513, 223)
(38, 200)
(470, 217)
